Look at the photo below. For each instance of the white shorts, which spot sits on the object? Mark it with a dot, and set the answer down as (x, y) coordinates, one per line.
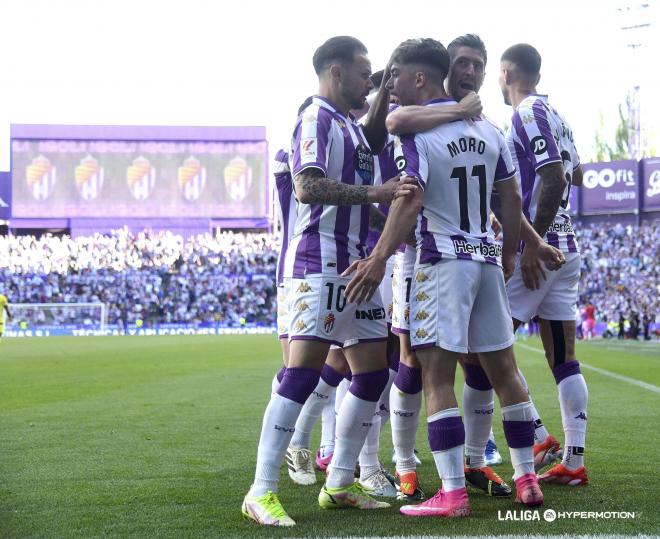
(386, 289)
(283, 310)
(404, 268)
(556, 297)
(460, 306)
(319, 311)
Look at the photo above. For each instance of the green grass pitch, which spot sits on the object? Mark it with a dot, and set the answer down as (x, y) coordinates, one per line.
(156, 437)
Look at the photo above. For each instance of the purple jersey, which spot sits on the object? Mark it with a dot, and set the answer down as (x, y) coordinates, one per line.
(327, 239)
(285, 204)
(538, 136)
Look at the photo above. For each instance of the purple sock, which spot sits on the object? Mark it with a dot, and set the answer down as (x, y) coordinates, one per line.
(408, 379)
(298, 384)
(519, 433)
(280, 374)
(446, 433)
(330, 376)
(476, 377)
(564, 370)
(370, 385)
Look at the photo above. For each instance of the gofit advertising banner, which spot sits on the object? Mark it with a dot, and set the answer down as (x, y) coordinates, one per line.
(610, 188)
(67, 178)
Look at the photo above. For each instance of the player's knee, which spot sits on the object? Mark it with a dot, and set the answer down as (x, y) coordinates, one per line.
(298, 383)
(369, 386)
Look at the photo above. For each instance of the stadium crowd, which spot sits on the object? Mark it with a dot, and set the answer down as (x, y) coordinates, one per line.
(160, 277)
(151, 277)
(620, 273)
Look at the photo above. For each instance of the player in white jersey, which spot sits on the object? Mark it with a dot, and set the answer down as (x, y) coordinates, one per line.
(542, 145)
(468, 58)
(332, 167)
(458, 297)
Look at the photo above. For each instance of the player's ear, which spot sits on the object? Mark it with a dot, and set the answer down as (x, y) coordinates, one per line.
(420, 79)
(538, 79)
(335, 72)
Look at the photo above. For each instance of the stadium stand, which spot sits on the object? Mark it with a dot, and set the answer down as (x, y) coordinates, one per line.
(161, 277)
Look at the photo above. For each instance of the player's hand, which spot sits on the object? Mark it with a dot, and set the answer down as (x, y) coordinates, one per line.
(369, 273)
(394, 188)
(508, 265)
(471, 105)
(496, 226)
(552, 257)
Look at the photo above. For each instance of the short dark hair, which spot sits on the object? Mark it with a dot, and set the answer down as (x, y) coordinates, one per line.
(526, 58)
(468, 40)
(377, 78)
(337, 49)
(425, 51)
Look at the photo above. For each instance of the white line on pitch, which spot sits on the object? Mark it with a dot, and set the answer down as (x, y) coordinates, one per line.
(632, 381)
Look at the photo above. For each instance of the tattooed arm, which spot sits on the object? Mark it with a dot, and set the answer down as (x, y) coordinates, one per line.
(553, 184)
(312, 187)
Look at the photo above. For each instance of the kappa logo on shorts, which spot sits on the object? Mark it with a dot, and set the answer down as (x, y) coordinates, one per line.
(329, 322)
(421, 277)
(421, 315)
(302, 306)
(421, 333)
(304, 287)
(406, 314)
(396, 266)
(390, 310)
(395, 283)
(300, 325)
(421, 296)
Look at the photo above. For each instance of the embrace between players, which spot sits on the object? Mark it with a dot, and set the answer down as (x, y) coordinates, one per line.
(458, 292)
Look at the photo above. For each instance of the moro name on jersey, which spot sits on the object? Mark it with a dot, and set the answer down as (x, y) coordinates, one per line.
(466, 144)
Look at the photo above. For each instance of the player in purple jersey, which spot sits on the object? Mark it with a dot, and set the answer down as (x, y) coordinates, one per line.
(459, 301)
(468, 59)
(332, 167)
(542, 144)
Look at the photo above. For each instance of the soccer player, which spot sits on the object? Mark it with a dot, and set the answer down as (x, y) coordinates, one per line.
(468, 57)
(4, 308)
(333, 176)
(541, 142)
(458, 299)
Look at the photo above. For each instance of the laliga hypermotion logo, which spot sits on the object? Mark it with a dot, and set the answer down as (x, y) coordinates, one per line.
(238, 178)
(40, 177)
(654, 184)
(140, 177)
(191, 178)
(89, 178)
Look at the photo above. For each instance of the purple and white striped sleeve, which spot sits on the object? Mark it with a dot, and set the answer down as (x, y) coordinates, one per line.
(411, 158)
(505, 168)
(310, 145)
(532, 127)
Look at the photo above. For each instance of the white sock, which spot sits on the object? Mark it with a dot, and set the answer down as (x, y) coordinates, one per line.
(353, 422)
(274, 384)
(404, 414)
(573, 399)
(368, 458)
(342, 388)
(449, 463)
(522, 458)
(328, 418)
(276, 432)
(478, 409)
(310, 413)
(383, 408)
(540, 432)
